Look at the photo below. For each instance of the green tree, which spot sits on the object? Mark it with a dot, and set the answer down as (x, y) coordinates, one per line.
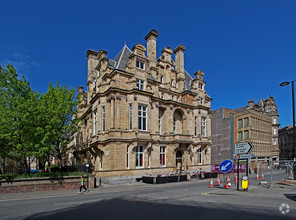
(17, 117)
(59, 121)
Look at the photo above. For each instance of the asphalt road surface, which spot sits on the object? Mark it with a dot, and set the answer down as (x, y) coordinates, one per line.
(185, 200)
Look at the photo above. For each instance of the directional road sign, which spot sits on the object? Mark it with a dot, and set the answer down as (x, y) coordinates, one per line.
(243, 148)
(244, 156)
(225, 166)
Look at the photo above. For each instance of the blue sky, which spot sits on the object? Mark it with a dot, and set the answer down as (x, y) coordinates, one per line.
(245, 48)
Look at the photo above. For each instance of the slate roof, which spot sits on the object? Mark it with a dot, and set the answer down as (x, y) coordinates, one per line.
(188, 81)
(121, 59)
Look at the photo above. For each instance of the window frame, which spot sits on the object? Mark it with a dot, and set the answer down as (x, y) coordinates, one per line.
(246, 133)
(140, 84)
(162, 156)
(175, 125)
(103, 119)
(199, 156)
(240, 123)
(246, 122)
(139, 156)
(142, 119)
(203, 126)
(195, 126)
(200, 85)
(240, 136)
(101, 160)
(130, 122)
(127, 158)
(140, 65)
(95, 122)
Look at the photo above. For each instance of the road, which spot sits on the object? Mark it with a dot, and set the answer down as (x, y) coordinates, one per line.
(185, 200)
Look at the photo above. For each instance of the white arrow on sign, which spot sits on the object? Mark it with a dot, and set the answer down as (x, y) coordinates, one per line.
(243, 148)
(244, 156)
(225, 166)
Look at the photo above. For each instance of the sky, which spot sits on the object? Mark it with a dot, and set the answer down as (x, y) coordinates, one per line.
(246, 48)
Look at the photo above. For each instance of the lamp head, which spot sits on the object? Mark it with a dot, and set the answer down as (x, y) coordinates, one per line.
(284, 83)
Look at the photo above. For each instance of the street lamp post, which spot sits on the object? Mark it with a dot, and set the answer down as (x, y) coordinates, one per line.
(294, 130)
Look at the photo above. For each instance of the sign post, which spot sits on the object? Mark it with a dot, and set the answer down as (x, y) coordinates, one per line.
(242, 152)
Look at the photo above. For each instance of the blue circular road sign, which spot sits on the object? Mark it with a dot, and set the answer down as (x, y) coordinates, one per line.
(225, 166)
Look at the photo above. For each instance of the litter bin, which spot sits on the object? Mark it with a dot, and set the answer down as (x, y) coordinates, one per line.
(245, 182)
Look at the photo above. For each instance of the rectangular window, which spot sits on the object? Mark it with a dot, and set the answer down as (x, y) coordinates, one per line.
(130, 117)
(127, 157)
(195, 126)
(240, 136)
(142, 118)
(274, 120)
(201, 101)
(199, 154)
(103, 118)
(161, 79)
(274, 131)
(162, 157)
(174, 126)
(95, 122)
(101, 160)
(159, 122)
(99, 72)
(162, 95)
(140, 84)
(246, 135)
(203, 126)
(240, 123)
(172, 82)
(94, 84)
(140, 65)
(274, 141)
(200, 85)
(246, 122)
(139, 157)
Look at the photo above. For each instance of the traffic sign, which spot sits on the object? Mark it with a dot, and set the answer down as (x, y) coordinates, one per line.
(225, 166)
(243, 148)
(244, 156)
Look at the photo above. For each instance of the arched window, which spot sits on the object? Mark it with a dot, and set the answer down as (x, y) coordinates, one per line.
(177, 122)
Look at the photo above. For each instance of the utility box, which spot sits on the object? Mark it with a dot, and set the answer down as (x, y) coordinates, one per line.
(245, 182)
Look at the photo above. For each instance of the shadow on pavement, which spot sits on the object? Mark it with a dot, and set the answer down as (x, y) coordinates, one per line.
(132, 209)
(291, 197)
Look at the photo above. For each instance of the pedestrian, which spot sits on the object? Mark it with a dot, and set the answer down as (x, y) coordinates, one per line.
(82, 185)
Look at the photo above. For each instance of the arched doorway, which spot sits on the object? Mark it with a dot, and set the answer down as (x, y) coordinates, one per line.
(179, 155)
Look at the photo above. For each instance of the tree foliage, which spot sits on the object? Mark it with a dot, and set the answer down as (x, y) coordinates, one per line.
(34, 125)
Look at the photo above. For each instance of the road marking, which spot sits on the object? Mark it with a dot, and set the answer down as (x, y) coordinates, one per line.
(207, 193)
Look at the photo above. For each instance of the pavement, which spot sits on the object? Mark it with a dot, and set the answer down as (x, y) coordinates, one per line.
(254, 189)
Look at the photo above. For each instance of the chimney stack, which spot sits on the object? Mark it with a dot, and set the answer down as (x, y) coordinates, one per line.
(179, 56)
(151, 47)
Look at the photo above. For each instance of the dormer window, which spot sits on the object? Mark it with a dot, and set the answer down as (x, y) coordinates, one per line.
(201, 101)
(140, 65)
(200, 85)
(140, 84)
(94, 84)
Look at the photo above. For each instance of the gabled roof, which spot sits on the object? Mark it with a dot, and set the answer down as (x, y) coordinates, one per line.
(188, 81)
(121, 59)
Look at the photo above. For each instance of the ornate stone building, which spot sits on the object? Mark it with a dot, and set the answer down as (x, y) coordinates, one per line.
(143, 115)
(256, 123)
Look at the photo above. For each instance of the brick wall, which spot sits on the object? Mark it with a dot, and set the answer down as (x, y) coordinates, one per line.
(39, 184)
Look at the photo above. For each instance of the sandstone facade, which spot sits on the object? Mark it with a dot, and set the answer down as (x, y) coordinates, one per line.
(143, 115)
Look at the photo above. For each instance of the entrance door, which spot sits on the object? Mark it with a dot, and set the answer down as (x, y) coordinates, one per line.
(179, 159)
